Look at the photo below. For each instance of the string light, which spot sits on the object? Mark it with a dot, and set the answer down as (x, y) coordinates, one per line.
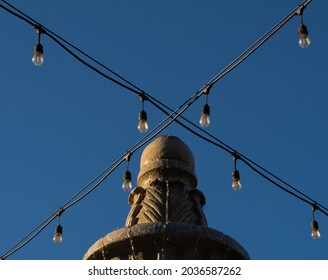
(204, 120)
(303, 33)
(236, 184)
(127, 177)
(38, 58)
(58, 236)
(315, 233)
(142, 118)
(127, 185)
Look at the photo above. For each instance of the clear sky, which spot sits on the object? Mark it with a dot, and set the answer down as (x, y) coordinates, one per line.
(62, 124)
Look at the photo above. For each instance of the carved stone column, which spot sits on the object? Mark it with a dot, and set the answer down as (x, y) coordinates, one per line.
(166, 220)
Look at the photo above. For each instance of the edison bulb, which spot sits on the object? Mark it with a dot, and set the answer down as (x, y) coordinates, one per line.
(127, 185)
(315, 233)
(142, 123)
(304, 40)
(58, 236)
(204, 120)
(236, 184)
(38, 58)
(142, 126)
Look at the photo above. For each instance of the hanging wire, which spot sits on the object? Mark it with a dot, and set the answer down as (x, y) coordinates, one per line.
(283, 188)
(265, 37)
(74, 200)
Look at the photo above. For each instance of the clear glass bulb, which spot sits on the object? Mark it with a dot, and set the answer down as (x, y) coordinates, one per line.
(304, 41)
(303, 33)
(204, 120)
(142, 125)
(315, 234)
(37, 59)
(127, 185)
(58, 236)
(236, 185)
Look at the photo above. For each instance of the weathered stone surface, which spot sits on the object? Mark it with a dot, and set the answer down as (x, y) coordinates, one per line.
(166, 201)
(166, 241)
(166, 159)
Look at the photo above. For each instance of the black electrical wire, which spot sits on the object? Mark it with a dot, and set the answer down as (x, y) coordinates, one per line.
(215, 79)
(190, 101)
(71, 202)
(26, 17)
(250, 163)
(15, 14)
(39, 230)
(90, 66)
(281, 187)
(148, 137)
(43, 30)
(13, 248)
(149, 97)
(280, 180)
(69, 44)
(265, 37)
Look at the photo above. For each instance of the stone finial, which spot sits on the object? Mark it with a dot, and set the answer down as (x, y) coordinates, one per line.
(167, 158)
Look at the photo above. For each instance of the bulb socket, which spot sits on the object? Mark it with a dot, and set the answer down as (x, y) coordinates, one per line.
(206, 109)
(59, 229)
(142, 115)
(127, 175)
(303, 30)
(235, 175)
(38, 48)
(314, 225)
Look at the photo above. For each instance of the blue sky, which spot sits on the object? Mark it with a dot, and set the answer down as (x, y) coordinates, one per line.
(62, 124)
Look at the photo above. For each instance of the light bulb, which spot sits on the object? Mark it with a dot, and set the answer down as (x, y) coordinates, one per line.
(58, 236)
(304, 40)
(127, 185)
(142, 123)
(204, 120)
(236, 184)
(315, 233)
(37, 58)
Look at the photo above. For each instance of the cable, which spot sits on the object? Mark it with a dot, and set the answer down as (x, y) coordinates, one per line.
(15, 14)
(19, 11)
(280, 180)
(220, 75)
(215, 79)
(9, 252)
(71, 203)
(49, 33)
(72, 46)
(249, 163)
(12, 251)
(281, 187)
(174, 115)
(265, 37)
